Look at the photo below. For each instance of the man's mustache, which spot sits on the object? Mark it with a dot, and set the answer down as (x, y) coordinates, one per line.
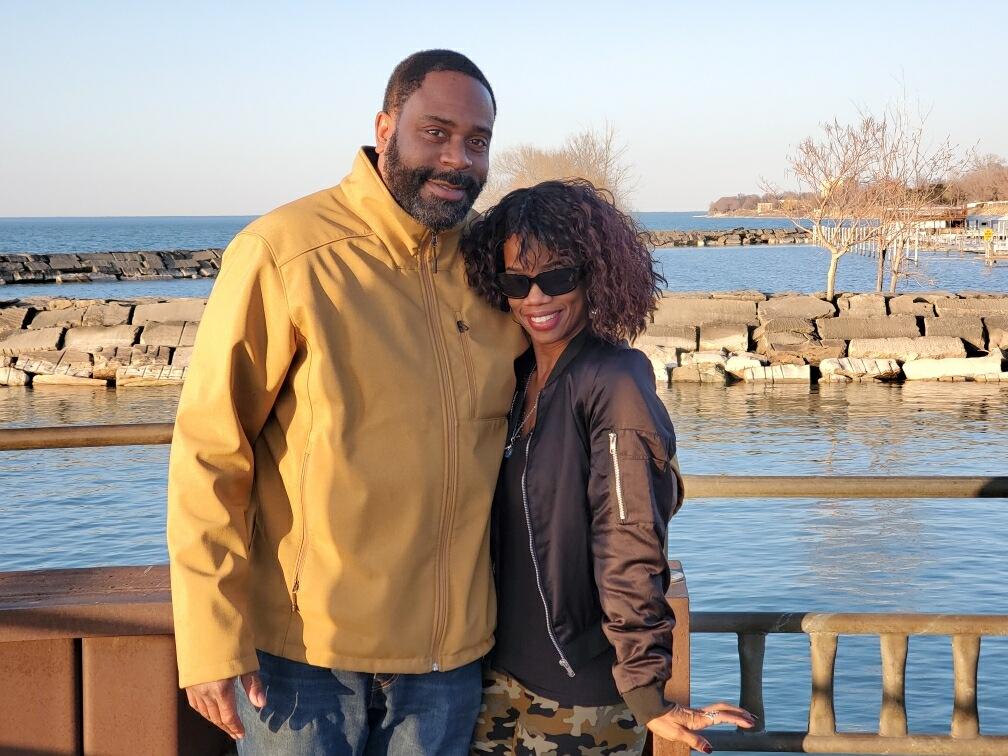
(456, 178)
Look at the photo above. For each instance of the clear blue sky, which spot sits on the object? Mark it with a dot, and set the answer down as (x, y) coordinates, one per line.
(178, 108)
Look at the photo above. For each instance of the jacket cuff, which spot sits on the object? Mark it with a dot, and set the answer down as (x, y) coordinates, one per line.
(647, 702)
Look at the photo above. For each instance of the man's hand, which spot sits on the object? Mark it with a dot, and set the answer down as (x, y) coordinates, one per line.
(680, 724)
(215, 701)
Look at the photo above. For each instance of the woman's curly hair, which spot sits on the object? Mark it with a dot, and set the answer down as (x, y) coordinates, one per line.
(578, 225)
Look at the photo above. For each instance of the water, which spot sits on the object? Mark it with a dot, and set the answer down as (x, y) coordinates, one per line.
(71, 508)
(65, 508)
(799, 268)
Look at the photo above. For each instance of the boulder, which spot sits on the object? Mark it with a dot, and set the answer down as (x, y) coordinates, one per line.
(911, 304)
(71, 316)
(151, 375)
(778, 374)
(867, 328)
(176, 311)
(785, 325)
(862, 305)
(997, 331)
(733, 337)
(798, 306)
(68, 380)
(952, 367)
(700, 374)
(748, 295)
(738, 363)
(37, 340)
(861, 369)
(11, 376)
(662, 359)
(62, 362)
(99, 337)
(801, 352)
(969, 328)
(904, 349)
(711, 357)
(13, 318)
(986, 307)
(180, 358)
(107, 314)
(689, 311)
(673, 337)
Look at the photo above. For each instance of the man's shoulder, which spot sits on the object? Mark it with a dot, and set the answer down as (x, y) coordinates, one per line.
(313, 222)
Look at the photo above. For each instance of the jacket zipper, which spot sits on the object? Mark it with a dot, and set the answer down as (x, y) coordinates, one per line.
(619, 479)
(296, 583)
(450, 416)
(535, 563)
(463, 329)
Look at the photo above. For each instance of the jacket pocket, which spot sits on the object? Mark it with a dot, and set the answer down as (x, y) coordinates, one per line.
(637, 465)
(463, 332)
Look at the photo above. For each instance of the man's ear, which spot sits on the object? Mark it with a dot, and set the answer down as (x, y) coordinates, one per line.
(384, 129)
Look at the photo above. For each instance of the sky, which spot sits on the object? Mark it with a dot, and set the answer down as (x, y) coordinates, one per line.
(232, 108)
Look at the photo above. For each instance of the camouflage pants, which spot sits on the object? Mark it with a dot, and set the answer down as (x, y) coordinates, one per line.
(514, 720)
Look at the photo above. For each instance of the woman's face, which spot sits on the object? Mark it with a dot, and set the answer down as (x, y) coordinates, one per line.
(546, 319)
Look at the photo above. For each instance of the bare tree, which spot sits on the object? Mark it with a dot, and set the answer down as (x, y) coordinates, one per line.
(835, 171)
(593, 154)
(867, 184)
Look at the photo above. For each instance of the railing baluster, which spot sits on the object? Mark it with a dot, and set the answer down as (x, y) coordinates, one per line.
(751, 649)
(965, 658)
(893, 716)
(822, 718)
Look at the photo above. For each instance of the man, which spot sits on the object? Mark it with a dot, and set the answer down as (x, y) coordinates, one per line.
(336, 449)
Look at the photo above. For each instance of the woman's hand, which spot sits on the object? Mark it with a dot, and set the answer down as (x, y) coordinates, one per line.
(680, 724)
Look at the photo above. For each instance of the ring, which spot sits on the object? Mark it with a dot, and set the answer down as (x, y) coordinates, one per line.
(711, 715)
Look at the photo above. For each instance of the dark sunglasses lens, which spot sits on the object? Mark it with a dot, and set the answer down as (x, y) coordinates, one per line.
(513, 285)
(556, 282)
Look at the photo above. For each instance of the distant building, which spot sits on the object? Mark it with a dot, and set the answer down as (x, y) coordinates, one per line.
(765, 207)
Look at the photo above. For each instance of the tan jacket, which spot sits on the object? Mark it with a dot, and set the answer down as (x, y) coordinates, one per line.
(337, 444)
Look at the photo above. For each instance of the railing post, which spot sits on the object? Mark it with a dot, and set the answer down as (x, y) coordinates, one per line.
(965, 658)
(822, 719)
(751, 650)
(893, 716)
(678, 686)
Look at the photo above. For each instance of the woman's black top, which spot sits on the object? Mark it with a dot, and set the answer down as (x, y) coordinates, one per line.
(523, 648)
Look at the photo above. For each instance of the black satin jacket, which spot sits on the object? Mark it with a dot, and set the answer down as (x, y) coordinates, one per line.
(600, 484)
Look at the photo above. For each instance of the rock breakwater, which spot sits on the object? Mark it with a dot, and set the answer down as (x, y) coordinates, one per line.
(706, 337)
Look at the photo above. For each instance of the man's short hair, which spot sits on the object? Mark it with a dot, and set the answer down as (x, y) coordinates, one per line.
(409, 75)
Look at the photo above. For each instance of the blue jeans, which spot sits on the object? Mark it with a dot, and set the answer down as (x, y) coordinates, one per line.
(314, 710)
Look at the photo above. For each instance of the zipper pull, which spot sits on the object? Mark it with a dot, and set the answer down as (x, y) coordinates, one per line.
(294, 603)
(567, 667)
(461, 325)
(434, 251)
(612, 443)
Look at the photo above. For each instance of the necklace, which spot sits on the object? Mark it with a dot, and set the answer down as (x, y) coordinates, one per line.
(517, 431)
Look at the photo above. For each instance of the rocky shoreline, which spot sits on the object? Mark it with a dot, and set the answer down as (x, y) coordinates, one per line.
(25, 268)
(702, 337)
(82, 267)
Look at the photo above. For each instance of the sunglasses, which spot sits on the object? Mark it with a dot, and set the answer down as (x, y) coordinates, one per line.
(552, 283)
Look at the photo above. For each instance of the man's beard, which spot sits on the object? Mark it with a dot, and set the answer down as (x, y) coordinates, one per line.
(435, 213)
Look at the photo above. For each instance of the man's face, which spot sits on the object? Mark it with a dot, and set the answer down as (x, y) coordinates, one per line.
(434, 153)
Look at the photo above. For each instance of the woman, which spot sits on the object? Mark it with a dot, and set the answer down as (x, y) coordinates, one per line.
(587, 486)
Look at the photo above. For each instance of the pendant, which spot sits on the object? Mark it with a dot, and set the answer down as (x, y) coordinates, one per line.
(507, 452)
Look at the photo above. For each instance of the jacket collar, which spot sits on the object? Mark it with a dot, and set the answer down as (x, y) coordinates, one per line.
(401, 234)
(527, 361)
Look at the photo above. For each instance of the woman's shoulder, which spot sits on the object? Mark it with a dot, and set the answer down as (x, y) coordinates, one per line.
(613, 361)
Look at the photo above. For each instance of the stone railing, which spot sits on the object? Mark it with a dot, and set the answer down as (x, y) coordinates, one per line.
(719, 337)
(751, 336)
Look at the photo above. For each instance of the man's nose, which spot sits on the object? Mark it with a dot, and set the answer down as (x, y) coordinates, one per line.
(455, 155)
